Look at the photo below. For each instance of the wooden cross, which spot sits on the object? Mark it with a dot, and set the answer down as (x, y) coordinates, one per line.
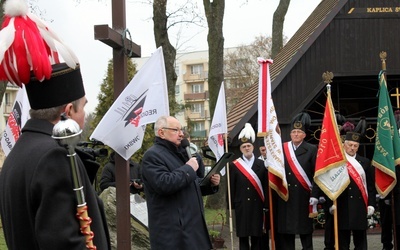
(121, 45)
(397, 95)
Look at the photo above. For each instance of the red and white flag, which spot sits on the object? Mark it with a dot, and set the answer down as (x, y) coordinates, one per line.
(218, 127)
(142, 101)
(268, 127)
(16, 120)
(331, 173)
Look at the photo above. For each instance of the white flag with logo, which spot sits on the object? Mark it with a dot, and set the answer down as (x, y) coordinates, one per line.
(16, 120)
(218, 126)
(142, 101)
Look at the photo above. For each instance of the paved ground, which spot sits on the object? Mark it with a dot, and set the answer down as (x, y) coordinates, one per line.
(374, 240)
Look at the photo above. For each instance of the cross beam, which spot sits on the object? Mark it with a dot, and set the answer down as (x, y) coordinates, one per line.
(121, 45)
(397, 95)
(113, 39)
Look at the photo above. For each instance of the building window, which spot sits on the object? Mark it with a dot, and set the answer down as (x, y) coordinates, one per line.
(197, 108)
(198, 126)
(177, 89)
(177, 70)
(197, 88)
(7, 99)
(196, 69)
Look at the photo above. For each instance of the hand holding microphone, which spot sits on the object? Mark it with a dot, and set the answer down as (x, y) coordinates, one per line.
(192, 160)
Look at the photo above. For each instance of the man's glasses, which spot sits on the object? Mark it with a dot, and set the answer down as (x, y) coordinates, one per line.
(176, 130)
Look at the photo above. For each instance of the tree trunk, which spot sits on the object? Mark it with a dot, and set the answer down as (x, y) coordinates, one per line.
(215, 14)
(3, 84)
(161, 38)
(277, 26)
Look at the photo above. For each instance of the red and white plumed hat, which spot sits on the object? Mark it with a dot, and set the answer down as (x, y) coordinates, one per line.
(30, 54)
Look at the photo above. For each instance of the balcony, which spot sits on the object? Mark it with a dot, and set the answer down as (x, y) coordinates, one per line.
(202, 76)
(198, 116)
(7, 108)
(196, 96)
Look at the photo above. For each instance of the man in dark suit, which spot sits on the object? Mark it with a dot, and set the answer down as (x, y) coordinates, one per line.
(249, 192)
(357, 201)
(294, 215)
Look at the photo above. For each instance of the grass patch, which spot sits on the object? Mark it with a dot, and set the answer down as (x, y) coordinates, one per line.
(212, 216)
(2, 240)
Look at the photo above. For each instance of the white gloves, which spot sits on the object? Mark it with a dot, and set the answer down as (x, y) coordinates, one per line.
(321, 199)
(370, 210)
(313, 201)
(332, 209)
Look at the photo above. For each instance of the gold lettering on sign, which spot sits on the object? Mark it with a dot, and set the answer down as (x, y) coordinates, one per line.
(380, 10)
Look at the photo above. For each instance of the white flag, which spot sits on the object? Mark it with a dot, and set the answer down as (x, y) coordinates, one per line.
(143, 100)
(218, 126)
(16, 120)
(268, 127)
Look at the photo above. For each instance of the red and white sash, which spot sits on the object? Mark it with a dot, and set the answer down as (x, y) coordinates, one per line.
(357, 174)
(296, 167)
(246, 170)
(298, 171)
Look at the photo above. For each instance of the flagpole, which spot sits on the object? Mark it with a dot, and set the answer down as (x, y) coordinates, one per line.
(383, 55)
(271, 217)
(393, 222)
(229, 194)
(335, 223)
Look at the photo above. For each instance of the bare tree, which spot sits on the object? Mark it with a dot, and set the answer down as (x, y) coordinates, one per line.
(3, 84)
(160, 20)
(241, 67)
(163, 21)
(215, 14)
(277, 26)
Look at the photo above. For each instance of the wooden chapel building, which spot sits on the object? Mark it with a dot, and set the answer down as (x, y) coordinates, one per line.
(344, 37)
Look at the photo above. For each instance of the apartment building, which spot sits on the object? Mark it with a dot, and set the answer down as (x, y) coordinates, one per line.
(7, 104)
(191, 93)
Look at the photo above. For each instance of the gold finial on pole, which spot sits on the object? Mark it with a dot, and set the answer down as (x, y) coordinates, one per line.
(327, 77)
(383, 55)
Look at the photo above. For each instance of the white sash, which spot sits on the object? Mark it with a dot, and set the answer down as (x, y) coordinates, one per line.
(293, 162)
(361, 174)
(246, 170)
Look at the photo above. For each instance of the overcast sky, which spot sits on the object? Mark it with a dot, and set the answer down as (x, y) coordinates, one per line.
(74, 23)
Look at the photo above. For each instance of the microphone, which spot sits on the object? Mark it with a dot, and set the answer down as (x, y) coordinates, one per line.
(186, 144)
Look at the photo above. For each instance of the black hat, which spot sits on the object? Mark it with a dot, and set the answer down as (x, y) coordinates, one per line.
(247, 135)
(353, 136)
(64, 86)
(355, 133)
(301, 121)
(31, 56)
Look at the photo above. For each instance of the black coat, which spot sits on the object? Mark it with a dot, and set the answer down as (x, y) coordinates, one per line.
(293, 215)
(37, 201)
(248, 206)
(108, 175)
(174, 199)
(351, 209)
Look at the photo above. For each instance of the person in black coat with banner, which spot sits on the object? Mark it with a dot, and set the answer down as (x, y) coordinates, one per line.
(357, 201)
(295, 215)
(249, 195)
